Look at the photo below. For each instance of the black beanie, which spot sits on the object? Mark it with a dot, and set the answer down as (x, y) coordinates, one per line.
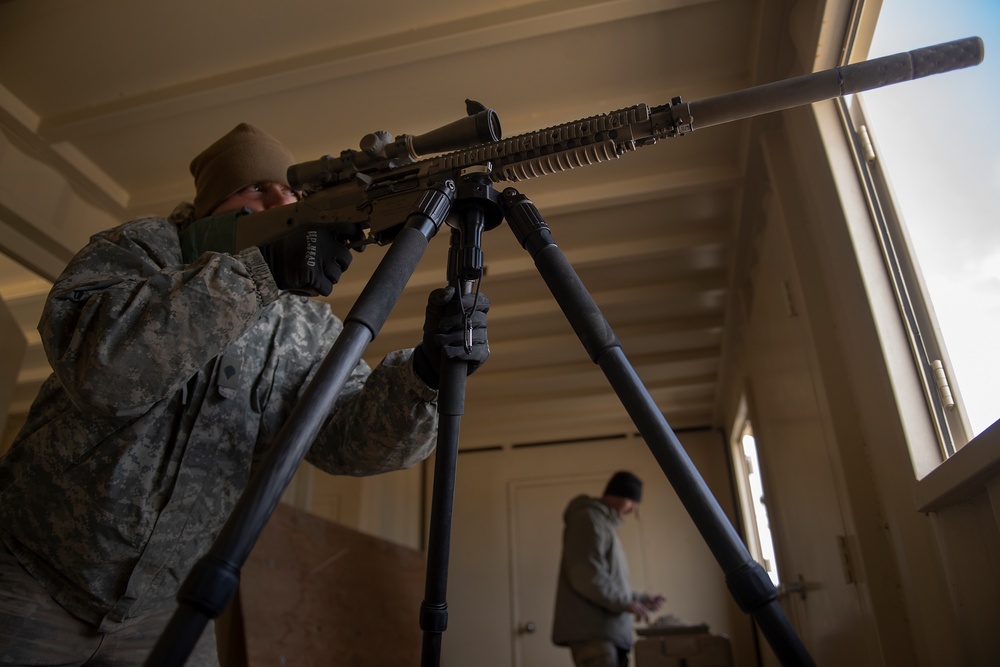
(624, 485)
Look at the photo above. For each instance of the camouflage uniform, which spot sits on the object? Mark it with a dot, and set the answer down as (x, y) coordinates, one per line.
(170, 380)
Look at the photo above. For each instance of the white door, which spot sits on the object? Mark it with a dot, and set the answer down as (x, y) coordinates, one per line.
(798, 463)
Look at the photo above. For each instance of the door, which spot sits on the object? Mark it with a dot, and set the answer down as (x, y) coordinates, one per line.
(799, 463)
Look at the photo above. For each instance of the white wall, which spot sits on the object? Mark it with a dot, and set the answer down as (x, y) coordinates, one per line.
(389, 506)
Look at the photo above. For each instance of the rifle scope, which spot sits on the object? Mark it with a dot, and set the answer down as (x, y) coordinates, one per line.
(477, 128)
(380, 151)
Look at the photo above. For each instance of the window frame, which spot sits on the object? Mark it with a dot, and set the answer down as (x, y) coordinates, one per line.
(946, 481)
(950, 423)
(943, 397)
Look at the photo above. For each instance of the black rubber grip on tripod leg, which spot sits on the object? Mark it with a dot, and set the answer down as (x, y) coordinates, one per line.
(751, 587)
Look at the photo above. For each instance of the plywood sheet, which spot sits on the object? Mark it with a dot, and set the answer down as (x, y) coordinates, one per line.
(316, 593)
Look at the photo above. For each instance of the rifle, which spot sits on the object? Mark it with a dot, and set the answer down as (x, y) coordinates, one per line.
(375, 188)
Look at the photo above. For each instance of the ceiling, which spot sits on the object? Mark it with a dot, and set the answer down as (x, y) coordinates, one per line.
(114, 97)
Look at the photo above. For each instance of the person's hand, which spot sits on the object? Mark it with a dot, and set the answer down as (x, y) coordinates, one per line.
(646, 603)
(308, 260)
(448, 323)
(639, 610)
(652, 602)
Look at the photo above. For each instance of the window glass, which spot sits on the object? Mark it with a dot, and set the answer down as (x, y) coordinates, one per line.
(939, 148)
(751, 489)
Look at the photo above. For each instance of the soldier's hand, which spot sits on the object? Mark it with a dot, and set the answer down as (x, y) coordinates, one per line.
(453, 329)
(308, 260)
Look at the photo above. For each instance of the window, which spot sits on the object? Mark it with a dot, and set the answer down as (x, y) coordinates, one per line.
(754, 509)
(931, 163)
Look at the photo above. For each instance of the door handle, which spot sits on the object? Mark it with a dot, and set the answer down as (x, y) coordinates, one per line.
(527, 628)
(795, 588)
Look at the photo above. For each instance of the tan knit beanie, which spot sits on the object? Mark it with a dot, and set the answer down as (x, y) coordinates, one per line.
(244, 156)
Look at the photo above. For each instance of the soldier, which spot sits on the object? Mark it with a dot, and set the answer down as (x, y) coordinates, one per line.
(176, 360)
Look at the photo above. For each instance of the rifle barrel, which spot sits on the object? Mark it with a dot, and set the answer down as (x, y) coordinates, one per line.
(836, 82)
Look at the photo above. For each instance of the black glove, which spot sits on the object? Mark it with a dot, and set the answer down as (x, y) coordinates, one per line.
(446, 327)
(308, 260)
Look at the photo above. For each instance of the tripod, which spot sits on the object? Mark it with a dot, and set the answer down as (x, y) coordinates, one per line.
(471, 206)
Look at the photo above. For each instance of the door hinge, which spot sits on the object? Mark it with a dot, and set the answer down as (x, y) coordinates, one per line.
(790, 308)
(845, 559)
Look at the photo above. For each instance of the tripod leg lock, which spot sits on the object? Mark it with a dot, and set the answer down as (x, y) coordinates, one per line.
(433, 618)
(751, 587)
(210, 585)
(431, 210)
(524, 219)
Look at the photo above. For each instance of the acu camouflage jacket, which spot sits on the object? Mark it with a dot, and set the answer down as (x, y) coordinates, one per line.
(169, 381)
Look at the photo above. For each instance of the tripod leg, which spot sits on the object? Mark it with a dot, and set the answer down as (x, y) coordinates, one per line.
(747, 580)
(213, 580)
(434, 607)
(476, 208)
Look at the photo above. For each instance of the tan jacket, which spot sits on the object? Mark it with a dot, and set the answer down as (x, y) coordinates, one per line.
(593, 589)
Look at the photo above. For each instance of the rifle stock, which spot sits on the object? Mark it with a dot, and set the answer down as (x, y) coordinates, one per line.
(379, 195)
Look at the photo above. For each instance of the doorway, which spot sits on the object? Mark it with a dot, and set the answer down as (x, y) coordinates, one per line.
(507, 534)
